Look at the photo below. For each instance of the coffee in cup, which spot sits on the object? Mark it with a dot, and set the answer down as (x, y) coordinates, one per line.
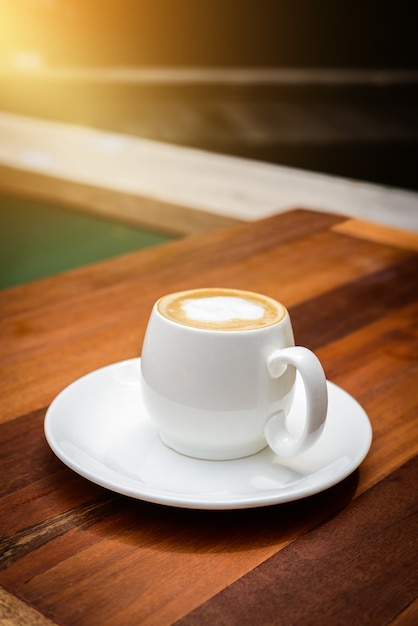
(221, 309)
(218, 371)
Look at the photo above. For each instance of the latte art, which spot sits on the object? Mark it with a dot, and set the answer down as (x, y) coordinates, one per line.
(221, 309)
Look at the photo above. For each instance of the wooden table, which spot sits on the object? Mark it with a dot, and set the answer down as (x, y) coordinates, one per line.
(77, 554)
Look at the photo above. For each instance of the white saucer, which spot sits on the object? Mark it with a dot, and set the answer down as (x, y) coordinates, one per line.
(98, 426)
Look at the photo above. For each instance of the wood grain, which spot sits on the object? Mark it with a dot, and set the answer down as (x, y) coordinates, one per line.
(115, 301)
(13, 611)
(367, 563)
(408, 617)
(379, 233)
(85, 556)
(101, 313)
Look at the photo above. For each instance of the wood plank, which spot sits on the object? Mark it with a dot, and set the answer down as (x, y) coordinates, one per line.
(15, 612)
(59, 524)
(379, 233)
(368, 558)
(207, 249)
(372, 381)
(341, 310)
(110, 169)
(88, 556)
(377, 363)
(408, 617)
(113, 301)
(114, 306)
(134, 209)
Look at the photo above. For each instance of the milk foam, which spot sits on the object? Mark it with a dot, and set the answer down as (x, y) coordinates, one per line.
(221, 309)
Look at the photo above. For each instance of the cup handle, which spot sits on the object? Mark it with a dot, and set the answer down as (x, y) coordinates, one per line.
(310, 369)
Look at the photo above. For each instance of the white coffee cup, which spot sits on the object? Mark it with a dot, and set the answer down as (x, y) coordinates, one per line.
(218, 375)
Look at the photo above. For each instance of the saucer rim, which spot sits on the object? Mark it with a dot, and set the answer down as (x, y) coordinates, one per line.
(182, 499)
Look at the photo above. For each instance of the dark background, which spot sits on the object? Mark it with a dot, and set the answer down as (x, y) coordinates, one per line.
(365, 130)
(281, 33)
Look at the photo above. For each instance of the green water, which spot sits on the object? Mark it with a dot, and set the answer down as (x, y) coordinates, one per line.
(38, 239)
